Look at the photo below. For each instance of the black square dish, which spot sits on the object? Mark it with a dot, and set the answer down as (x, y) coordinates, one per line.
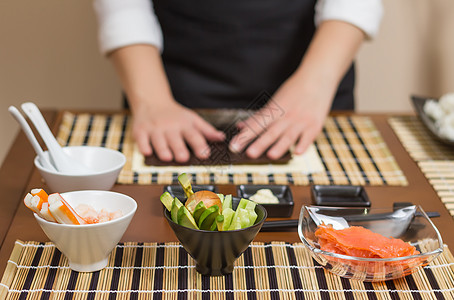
(177, 191)
(282, 209)
(340, 195)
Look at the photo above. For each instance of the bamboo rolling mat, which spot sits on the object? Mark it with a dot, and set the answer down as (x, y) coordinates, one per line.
(435, 159)
(351, 149)
(165, 271)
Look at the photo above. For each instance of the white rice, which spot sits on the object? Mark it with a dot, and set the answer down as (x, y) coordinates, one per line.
(442, 112)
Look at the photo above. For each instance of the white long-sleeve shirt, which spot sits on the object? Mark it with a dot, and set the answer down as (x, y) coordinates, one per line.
(128, 22)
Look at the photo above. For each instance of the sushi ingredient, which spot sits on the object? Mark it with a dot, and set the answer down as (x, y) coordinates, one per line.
(167, 200)
(442, 112)
(185, 183)
(208, 217)
(207, 197)
(207, 210)
(185, 218)
(358, 241)
(62, 211)
(264, 196)
(36, 200)
(54, 208)
(92, 216)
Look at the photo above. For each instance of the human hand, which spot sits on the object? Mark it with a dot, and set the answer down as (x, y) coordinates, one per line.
(166, 130)
(294, 116)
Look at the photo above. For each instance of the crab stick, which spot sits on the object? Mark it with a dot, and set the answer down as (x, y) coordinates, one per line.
(28, 202)
(42, 204)
(62, 211)
(42, 196)
(38, 204)
(45, 213)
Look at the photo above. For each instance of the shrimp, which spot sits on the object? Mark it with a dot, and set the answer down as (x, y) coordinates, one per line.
(62, 211)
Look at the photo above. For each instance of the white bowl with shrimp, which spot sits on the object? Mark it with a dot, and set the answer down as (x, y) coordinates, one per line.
(105, 163)
(88, 246)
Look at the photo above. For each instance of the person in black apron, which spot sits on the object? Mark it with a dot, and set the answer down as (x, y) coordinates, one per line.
(249, 54)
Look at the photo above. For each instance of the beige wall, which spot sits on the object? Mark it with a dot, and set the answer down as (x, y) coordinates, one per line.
(49, 55)
(413, 54)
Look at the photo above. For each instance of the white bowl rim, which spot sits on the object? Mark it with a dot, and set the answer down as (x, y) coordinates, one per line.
(117, 220)
(112, 169)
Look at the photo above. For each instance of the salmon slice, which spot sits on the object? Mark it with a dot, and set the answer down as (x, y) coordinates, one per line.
(361, 242)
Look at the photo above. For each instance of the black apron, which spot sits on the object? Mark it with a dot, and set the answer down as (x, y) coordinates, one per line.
(229, 53)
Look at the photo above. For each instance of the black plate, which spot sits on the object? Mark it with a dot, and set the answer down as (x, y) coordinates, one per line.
(340, 195)
(177, 191)
(282, 209)
(418, 104)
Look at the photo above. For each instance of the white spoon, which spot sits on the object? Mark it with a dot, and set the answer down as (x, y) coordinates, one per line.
(31, 137)
(62, 162)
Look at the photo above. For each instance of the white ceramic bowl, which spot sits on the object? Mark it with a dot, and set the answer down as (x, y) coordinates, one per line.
(106, 164)
(87, 247)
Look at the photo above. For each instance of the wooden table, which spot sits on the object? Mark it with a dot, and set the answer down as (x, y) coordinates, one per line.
(18, 176)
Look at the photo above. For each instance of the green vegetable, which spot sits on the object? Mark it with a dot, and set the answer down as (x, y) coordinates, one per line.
(220, 222)
(197, 216)
(185, 218)
(208, 217)
(185, 183)
(167, 200)
(228, 214)
(176, 204)
(199, 209)
(221, 196)
(227, 202)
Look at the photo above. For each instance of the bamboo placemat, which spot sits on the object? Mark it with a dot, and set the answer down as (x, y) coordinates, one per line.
(351, 148)
(165, 271)
(435, 159)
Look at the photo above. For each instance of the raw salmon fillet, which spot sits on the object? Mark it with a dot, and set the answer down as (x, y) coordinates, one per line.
(361, 242)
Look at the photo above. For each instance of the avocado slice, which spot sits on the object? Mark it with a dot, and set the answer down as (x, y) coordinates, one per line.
(198, 210)
(213, 226)
(167, 200)
(185, 218)
(176, 204)
(185, 183)
(208, 217)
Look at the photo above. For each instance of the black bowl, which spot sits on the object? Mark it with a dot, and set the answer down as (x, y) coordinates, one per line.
(177, 191)
(215, 252)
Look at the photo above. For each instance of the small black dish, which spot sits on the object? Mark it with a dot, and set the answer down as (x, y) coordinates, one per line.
(283, 209)
(340, 195)
(177, 191)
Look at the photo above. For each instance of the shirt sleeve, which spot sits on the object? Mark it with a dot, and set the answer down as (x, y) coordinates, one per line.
(364, 14)
(126, 22)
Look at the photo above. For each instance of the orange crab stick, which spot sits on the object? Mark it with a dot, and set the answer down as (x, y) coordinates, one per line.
(28, 202)
(45, 212)
(62, 211)
(42, 204)
(40, 207)
(42, 196)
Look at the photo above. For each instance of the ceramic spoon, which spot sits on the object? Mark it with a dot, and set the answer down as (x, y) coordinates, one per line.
(31, 137)
(62, 162)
